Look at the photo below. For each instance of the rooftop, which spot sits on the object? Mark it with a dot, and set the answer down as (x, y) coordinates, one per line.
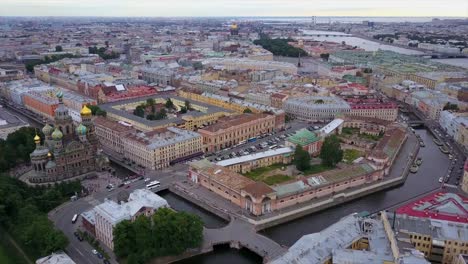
(303, 137)
(56, 258)
(255, 156)
(441, 206)
(227, 122)
(335, 240)
(119, 109)
(138, 199)
(162, 137)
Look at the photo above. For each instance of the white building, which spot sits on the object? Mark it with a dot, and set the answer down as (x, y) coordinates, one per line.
(110, 213)
(455, 124)
(316, 107)
(56, 258)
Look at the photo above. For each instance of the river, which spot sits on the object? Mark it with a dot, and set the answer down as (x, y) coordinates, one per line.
(435, 164)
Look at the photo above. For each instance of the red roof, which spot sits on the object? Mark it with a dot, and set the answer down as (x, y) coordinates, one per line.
(441, 206)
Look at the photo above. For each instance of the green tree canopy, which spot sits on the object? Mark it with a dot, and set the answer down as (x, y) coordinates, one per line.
(58, 48)
(139, 111)
(247, 111)
(165, 233)
(331, 152)
(169, 104)
(301, 159)
(23, 213)
(187, 104)
(150, 101)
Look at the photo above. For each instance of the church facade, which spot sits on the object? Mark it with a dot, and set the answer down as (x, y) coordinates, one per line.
(68, 150)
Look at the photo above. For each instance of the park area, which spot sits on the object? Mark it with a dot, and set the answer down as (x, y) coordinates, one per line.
(349, 155)
(280, 173)
(354, 132)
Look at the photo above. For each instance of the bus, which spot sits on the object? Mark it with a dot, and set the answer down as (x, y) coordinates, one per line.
(252, 139)
(152, 185)
(75, 217)
(273, 147)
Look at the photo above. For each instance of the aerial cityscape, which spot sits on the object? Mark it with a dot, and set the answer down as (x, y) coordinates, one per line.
(233, 132)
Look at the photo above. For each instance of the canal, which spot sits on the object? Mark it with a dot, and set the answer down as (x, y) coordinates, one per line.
(435, 164)
(180, 204)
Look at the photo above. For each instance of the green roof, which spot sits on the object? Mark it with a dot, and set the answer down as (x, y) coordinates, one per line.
(303, 137)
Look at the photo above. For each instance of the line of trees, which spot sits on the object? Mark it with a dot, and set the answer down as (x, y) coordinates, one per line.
(165, 233)
(30, 65)
(17, 147)
(103, 53)
(279, 47)
(23, 213)
(97, 111)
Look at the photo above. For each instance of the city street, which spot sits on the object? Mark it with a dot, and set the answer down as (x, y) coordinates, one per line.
(62, 216)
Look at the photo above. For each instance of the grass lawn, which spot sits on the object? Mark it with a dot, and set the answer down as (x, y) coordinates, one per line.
(275, 179)
(351, 154)
(9, 254)
(260, 174)
(316, 169)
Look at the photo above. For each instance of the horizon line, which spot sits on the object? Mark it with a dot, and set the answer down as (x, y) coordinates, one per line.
(237, 16)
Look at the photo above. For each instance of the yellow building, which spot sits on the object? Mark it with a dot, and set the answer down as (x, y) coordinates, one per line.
(162, 147)
(250, 162)
(201, 114)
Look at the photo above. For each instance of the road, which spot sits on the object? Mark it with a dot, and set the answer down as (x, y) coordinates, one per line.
(80, 252)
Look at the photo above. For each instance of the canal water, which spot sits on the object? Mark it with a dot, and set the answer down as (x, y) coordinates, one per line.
(224, 255)
(435, 164)
(179, 204)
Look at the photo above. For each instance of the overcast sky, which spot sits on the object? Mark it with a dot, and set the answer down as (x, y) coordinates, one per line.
(156, 8)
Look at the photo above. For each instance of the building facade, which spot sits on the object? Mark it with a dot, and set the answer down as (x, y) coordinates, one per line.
(231, 130)
(162, 147)
(111, 133)
(316, 108)
(110, 213)
(68, 150)
(250, 162)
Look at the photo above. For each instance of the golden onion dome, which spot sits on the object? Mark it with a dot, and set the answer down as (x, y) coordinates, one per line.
(234, 26)
(49, 154)
(85, 111)
(37, 138)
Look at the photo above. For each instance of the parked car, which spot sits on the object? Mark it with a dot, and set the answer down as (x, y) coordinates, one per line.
(95, 252)
(147, 179)
(106, 261)
(99, 255)
(120, 185)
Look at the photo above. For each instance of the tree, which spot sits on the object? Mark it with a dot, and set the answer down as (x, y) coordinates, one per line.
(197, 65)
(325, 56)
(331, 152)
(183, 109)
(58, 48)
(124, 238)
(301, 158)
(188, 106)
(96, 110)
(139, 111)
(450, 106)
(247, 111)
(150, 102)
(169, 104)
(162, 114)
(165, 233)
